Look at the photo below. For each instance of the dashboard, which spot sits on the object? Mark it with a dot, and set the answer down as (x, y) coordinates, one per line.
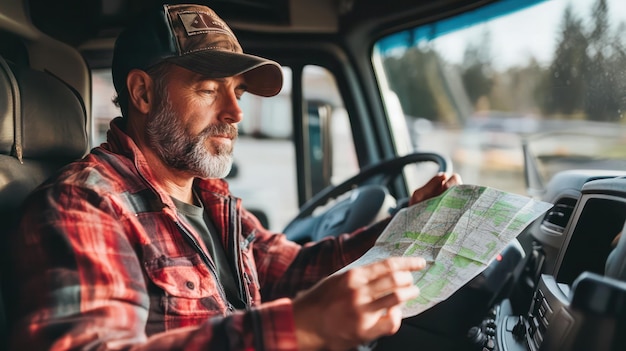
(562, 298)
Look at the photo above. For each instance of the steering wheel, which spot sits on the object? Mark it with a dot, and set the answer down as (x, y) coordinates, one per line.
(357, 202)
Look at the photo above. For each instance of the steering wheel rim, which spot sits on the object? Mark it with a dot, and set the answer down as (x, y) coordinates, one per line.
(389, 168)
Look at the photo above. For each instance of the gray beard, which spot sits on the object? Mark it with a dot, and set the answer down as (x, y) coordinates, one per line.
(181, 150)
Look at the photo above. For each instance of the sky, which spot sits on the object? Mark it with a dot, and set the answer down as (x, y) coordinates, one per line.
(530, 33)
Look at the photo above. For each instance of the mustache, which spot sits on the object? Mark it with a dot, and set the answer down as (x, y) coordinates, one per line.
(222, 129)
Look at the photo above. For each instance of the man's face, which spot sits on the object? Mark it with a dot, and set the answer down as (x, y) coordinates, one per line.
(193, 127)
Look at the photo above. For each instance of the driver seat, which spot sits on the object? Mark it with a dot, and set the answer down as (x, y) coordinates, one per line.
(42, 128)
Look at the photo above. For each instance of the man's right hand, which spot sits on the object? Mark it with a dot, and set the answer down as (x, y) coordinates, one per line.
(356, 306)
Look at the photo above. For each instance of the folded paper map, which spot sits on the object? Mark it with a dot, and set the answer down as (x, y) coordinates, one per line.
(458, 233)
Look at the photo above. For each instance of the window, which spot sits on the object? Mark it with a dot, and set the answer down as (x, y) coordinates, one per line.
(541, 77)
(320, 90)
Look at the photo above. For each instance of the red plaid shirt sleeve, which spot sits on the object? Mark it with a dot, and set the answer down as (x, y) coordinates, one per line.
(78, 284)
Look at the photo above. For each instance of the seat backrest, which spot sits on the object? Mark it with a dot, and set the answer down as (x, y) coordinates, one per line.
(42, 127)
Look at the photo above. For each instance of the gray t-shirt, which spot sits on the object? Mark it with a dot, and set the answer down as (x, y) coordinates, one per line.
(200, 221)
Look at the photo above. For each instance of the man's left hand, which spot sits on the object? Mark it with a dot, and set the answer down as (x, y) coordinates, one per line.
(435, 186)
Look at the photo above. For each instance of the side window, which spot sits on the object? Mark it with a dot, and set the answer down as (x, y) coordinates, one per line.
(326, 106)
(264, 171)
(103, 109)
(265, 159)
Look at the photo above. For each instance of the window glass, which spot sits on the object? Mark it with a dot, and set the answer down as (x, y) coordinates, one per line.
(265, 157)
(320, 88)
(547, 75)
(103, 109)
(264, 172)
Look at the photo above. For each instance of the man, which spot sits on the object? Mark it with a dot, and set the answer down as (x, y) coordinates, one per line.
(141, 246)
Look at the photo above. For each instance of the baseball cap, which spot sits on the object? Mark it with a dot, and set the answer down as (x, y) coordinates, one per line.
(193, 37)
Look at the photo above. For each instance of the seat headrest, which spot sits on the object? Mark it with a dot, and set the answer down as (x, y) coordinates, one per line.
(40, 115)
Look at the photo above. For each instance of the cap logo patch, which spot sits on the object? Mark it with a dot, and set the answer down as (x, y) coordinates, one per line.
(198, 22)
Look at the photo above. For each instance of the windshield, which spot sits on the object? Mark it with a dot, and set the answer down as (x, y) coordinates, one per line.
(547, 75)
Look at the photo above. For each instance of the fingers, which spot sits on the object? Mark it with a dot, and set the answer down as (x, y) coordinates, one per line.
(355, 306)
(435, 186)
(394, 264)
(389, 283)
(390, 322)
(381, 285)
(395, 298)
(454, 179)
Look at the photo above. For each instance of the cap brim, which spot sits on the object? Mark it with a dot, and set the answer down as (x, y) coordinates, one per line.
(262, 76)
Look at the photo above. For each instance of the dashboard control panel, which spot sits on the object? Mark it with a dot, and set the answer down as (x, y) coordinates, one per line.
(568, 304)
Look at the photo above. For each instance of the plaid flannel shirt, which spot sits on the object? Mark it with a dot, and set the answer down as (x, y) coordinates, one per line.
(102, 261)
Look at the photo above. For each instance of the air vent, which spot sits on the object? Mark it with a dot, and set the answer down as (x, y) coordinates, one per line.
(556, 219)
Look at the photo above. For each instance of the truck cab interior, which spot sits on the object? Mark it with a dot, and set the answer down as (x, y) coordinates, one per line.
(523, 96)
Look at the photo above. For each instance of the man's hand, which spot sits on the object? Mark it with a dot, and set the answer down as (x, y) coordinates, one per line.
(359, 305)
(435, 186)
